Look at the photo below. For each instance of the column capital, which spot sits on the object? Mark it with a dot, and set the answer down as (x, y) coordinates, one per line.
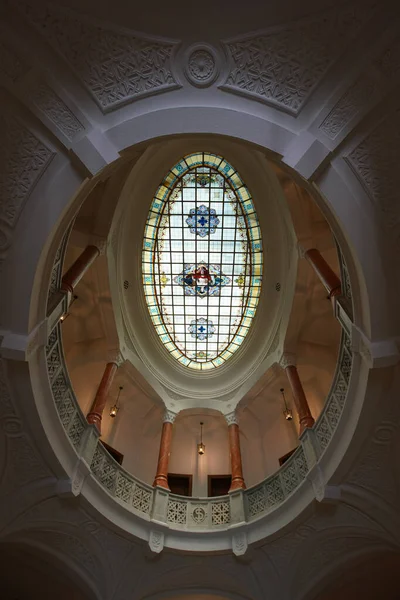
(231, 418)
(301, 250)
(115, 356)
(288, 359)
(169, 416)
(99, 242)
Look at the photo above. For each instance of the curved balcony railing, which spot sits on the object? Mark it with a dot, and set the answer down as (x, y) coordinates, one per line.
(188, 513)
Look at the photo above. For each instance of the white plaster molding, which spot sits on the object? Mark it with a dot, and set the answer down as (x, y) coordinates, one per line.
(305, 154)
(231, 418)
(322, 491)
(116, 66)
(156, 541)
(201, 65)
(239, 543)
(301, 250)
(265, 64)
(82, 470)
(169, 416)
(377, 354)
(287, 360)
(13, 345)
(53, 107)
(24, 158)
(95, 151)
(115, 356)
(101, 243)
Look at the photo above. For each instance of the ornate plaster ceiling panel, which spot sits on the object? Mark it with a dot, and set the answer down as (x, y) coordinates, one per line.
(283, 66)
(23, 158)
(10, 64)
(375, 160)
(114, 66)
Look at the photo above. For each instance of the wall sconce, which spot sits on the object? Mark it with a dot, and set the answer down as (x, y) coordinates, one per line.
(66, 314)
(287, 412)
(114, 409)
(201, 447)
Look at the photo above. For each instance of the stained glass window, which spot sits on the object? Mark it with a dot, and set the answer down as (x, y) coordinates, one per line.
(202, 261)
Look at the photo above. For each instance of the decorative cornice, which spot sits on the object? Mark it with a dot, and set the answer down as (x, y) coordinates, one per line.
(115, 66)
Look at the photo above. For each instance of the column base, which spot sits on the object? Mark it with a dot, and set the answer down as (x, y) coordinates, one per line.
(161, 481)
(94, 419)
(237, 484)
(306, 422)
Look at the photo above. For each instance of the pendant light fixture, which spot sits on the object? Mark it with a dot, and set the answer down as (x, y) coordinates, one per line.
(114, 409)
(287, 412)
(201, 447)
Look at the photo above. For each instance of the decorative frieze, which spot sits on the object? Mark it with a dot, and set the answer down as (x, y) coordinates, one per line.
(349, 105)
(282, 67)
(23, 158)
(115, 67)
(55, 109)
(375, 160)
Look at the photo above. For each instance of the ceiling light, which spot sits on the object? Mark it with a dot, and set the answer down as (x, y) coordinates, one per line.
(114, 409)
(287, 412)
(201, 447)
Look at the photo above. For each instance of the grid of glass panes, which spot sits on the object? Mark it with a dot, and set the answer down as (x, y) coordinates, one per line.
(202, 220)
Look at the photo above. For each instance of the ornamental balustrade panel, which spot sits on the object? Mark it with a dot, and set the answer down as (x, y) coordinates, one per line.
(120, 484)
(181, 512)
(264, 497)
(68, 409)
(330, 415)
(185, 512)
(345, 279)
(56, 272)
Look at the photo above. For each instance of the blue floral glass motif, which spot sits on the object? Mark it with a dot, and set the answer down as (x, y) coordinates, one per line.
(202, 280)
(201, 328)
(202, 221)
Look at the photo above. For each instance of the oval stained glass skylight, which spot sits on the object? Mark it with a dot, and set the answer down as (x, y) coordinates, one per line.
(202, 261)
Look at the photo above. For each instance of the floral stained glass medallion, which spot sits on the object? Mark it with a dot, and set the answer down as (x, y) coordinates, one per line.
(202, 261)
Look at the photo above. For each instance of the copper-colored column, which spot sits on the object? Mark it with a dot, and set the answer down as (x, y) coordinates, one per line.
(328, 277)
(236, 458)
(96, 412)
(303, 410)
(76, 271)
(161, 478)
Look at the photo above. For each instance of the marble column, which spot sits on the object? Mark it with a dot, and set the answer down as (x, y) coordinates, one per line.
(235, 455)
(161, 478)
(95, 414)
(77, 270)
(328, 278)
(288, 362)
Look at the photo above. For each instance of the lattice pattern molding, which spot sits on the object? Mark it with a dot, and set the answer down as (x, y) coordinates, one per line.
(182, 512)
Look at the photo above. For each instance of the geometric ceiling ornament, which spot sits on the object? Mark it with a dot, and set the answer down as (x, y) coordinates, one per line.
(201, 67)
(202, 261)
(116, 67)
(283, 66)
